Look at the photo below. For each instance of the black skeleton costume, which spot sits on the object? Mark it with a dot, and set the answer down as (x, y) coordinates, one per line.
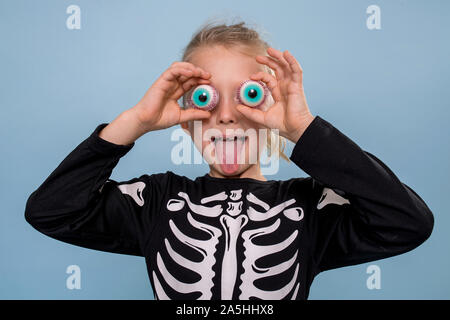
(239, 238)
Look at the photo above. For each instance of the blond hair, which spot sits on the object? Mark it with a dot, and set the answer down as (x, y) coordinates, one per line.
(235, 36)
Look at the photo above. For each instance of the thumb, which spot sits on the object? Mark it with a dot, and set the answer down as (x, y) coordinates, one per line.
(193, 114)
(255, 115)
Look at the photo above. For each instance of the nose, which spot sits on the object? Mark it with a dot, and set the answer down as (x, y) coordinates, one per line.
(227, 112)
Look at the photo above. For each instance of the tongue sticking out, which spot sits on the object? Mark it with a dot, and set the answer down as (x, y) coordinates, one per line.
(229, 155)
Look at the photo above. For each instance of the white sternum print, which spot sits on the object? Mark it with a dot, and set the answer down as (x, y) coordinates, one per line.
(232, 221)
(232, 227)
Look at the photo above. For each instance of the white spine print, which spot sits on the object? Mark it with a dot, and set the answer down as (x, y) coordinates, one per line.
(236, 194)
(234, 208)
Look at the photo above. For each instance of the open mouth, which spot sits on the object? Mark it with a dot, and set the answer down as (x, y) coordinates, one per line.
(229, 151)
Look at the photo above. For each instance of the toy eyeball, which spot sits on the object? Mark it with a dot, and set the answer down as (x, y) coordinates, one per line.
(252, 93)
(203, 97)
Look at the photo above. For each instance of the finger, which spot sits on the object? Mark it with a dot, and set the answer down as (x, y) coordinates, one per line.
(193, 114)
(188, 85)
(277, 54)
(252, 114)
(190, 66)
(185, 64)
(273, 64)
(271, 83)
(180, 75)
(197, 72)
(184, 78)
(173, 73)
(297, 71)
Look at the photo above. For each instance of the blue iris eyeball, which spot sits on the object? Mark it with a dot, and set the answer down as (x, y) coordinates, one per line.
(203, 97)
(252, 93)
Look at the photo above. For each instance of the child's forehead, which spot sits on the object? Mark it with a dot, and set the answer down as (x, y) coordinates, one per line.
(225, 63)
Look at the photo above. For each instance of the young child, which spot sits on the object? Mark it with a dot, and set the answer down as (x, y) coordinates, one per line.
(231, 233)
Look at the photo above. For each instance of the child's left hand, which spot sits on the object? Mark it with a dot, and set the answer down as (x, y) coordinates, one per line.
(289, 113)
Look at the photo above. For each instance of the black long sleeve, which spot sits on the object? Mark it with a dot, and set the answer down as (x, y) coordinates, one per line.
(383, 216)
(235, 238)
(79, 204)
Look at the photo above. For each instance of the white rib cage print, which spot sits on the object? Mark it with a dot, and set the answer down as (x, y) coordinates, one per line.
(232, 222)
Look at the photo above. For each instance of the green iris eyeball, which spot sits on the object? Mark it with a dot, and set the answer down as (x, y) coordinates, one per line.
(204, 97)
(252, 93)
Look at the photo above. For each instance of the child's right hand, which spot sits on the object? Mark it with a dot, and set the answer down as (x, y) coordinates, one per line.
(159, 109)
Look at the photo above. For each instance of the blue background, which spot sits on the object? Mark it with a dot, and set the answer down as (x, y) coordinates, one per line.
(385, 89)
